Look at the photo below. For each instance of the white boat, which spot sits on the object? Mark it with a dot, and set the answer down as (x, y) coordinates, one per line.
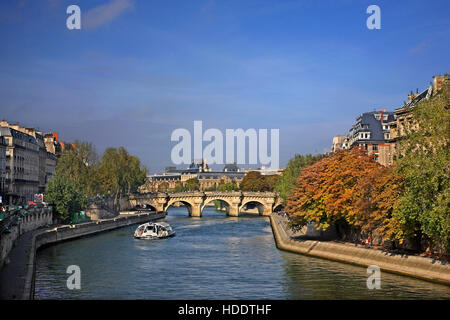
(154, 230)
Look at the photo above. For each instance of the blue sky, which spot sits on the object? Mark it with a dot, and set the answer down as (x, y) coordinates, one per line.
(139, 69)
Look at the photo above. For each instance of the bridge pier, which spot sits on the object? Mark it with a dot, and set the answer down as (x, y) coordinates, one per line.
(196, 211)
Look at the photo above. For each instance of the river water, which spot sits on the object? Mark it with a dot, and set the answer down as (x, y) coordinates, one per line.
(212, 257)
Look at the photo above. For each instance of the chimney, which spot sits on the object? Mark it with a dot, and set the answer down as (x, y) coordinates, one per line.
(411, 96)
(438, 81)
(30, 131)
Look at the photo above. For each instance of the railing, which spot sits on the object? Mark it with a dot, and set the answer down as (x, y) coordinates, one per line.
(14, 215)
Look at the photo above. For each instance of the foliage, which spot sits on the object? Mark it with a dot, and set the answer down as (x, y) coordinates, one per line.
(326, 192)
(255, 181)
(115, 174)
(77, 164)
(424, 206)
(224, 186)
(119, 173)
(192, 184)
(378, 192)
(67, 196)
(227, 186)
(288, 178)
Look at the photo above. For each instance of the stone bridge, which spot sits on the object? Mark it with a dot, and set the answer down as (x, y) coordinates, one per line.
(195, 201)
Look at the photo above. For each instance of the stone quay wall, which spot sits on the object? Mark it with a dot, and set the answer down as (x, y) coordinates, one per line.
(34, 218)
(23, 278)
(419, 267)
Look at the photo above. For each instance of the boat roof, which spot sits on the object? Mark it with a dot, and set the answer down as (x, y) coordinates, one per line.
(164, 224)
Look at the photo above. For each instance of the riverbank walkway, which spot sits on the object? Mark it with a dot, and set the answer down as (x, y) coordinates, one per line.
(419, 267)
(17, 274)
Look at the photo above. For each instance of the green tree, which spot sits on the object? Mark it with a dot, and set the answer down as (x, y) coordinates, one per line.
(227, 186)
(119, 173)
(288, 178)
(423, 208)
(192, 184)
(66, 196)
(77, 164)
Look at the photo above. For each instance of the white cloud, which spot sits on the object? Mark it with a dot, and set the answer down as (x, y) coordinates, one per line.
(105, 13)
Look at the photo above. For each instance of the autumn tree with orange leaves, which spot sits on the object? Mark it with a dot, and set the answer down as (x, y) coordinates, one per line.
(328, 191)
(378, 192)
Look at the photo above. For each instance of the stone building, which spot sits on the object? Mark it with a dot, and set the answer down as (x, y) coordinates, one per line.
(2, 168)
(208, 179)
(338, 143)
(53, 151)
(371, 132)
(404, 121)
(29, 164)
(22, 165)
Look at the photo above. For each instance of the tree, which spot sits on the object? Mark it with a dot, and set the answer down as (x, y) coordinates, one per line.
(255, 181)
(192, 184)
(423, 208)
(67, 196)
(77, 163)
(378, 192)
(227, 186)
(326, 191)
(120, 173)
(288, 178)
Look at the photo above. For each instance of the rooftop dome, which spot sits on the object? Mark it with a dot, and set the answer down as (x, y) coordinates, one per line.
(231, 167)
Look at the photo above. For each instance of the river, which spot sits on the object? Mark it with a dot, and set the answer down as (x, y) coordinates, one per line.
(212, 257)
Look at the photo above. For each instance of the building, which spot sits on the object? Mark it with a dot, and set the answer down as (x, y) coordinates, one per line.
(2, 168)
(53, 151)
(403, 121)
(28, 163)
(380, 132)
(371, 132)
(198, 169)
(338, 143)
(267, 171)
(22, 165)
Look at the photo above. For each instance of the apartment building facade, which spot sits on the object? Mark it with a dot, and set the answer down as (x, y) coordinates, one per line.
(28, 164)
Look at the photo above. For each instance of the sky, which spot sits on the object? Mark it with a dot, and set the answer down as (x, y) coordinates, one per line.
(139, 69)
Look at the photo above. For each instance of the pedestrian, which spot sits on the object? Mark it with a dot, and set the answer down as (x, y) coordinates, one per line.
(370, 242)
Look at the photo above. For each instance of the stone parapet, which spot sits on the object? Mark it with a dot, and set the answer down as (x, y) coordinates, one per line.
(410, 265)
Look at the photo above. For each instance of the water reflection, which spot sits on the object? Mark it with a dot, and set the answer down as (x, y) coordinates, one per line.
(213, 257)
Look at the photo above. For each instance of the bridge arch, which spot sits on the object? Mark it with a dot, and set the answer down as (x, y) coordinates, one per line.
(257, 203)
(222, 200)
(186, 203)
(145, 206)
(278, 207)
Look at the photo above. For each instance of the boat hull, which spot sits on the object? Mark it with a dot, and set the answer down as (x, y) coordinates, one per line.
(149, 237)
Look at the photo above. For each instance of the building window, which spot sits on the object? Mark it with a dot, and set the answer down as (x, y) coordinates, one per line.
(375, 147)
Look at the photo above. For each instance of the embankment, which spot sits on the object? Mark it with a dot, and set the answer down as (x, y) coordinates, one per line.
(17, 277)
(415, 266)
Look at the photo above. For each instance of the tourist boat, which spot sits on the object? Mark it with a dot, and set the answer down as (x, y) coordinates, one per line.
(154, 230)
